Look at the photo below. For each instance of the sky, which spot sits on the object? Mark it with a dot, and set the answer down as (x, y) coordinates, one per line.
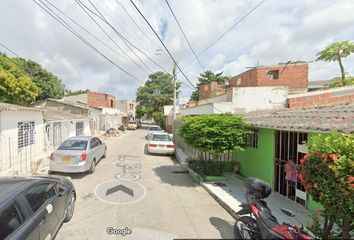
(277, 31)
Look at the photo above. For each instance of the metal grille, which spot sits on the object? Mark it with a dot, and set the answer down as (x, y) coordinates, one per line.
(252, 138)
(79, 128)
(25, 134)
(286, 144)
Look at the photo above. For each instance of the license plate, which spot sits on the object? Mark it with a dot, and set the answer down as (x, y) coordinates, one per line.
(161, 145)
(66, 159)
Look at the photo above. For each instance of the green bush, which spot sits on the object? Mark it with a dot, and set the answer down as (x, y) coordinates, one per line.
(206, 167)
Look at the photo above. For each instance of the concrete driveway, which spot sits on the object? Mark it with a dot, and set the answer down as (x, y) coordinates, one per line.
(142, 196)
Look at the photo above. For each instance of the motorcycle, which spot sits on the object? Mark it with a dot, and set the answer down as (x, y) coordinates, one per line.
(257, 221)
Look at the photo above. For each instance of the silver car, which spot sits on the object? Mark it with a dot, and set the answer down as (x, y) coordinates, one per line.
(78, 154)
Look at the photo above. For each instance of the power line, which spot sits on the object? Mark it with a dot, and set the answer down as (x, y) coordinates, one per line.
(64, 23)
(126, 41)
(83, 6)
(169, 53)
(87, 31)
(21, 67)
(185, 37)
(125, 10)
(227, 31)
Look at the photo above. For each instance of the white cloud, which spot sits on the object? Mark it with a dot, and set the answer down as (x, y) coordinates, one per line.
(277, 31)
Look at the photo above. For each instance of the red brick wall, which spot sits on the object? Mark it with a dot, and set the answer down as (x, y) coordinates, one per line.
(323, 98)
(294, 76)
(210, 90)
(95, 99)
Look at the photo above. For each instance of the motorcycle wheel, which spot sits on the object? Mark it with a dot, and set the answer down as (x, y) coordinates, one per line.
(246, 228)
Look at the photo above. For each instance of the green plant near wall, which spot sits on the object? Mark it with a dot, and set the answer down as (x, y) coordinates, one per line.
(214, 133)
(328, 176)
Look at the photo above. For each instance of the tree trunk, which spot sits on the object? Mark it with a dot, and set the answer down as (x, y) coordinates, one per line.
(346, 229)
(341, 70)
(328, 225)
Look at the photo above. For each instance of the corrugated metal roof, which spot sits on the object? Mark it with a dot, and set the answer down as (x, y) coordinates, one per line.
(323, 119)
(13, 107)
(50, 115)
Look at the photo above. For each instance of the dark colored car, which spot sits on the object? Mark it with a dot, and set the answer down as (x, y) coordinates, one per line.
(34, 207)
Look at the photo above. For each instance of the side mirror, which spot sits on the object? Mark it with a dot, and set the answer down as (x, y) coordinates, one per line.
(287, 212)
(61, 191)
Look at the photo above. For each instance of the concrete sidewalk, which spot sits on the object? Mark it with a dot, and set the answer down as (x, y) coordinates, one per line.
(231, 193)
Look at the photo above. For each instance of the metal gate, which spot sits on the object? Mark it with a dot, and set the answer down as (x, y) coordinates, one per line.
(22, 158)
(287, 147)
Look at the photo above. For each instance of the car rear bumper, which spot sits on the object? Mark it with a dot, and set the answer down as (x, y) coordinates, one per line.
(161, 150)
(82, 166)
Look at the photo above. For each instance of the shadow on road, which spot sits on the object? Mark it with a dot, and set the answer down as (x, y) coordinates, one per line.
(71, 175)
(175, 175)
(225, 228)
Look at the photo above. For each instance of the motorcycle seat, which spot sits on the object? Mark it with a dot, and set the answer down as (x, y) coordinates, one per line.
(268, 219)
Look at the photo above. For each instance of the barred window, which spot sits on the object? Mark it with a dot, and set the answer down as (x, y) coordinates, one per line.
(79, 128)
(252, 138)
(25, 134)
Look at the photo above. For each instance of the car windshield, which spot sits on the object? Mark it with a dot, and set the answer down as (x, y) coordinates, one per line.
(73, 145)
(160, 137)
(155, 129)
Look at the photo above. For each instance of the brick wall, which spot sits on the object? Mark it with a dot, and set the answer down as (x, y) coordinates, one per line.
(322, 98)
(95, 99)
(210, 90)
(294, 76)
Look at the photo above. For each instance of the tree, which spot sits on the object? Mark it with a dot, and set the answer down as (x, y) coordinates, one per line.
(68, 92)
(205, 78)
(214, 133)
(50, 86)
(328, 176)
(336, 52)
(15, 86)
(157, 92)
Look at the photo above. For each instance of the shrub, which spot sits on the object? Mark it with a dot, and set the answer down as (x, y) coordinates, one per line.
(328, 175)
(214, 133)
(206, 167)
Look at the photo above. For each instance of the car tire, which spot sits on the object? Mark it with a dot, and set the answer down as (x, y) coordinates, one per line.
(93, 166)
(70, 207)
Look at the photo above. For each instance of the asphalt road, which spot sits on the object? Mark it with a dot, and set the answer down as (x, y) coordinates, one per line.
(149, 196)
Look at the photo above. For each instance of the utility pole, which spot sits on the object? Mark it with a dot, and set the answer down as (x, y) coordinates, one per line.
(174, 97)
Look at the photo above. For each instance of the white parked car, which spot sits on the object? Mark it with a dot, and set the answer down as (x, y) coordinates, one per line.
(153, 129)
(160, 142)
(78, 154)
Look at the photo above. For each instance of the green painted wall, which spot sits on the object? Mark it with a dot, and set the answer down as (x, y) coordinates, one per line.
(258, 162)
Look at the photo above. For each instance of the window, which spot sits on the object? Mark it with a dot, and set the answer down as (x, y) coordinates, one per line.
(10, 220)
(273, 74)
(160, 138)
(25, 134)
(112, 103)
(252, 139)
(238, 82)
(131, 106)
(94, 143)
(73, 145)
(39, 195)
(79, 128)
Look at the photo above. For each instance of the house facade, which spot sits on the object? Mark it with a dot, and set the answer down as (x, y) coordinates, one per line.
(294, 75)
(92, 114)
(127, 106)
(21, 137)
(281, 136)
(60, 125)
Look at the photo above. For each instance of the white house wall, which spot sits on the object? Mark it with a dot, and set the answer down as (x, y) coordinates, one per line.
(259, 98)
(10, 155)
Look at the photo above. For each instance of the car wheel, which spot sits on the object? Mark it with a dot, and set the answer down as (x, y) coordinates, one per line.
(93, 166)
(105, 153)
(70, 207)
